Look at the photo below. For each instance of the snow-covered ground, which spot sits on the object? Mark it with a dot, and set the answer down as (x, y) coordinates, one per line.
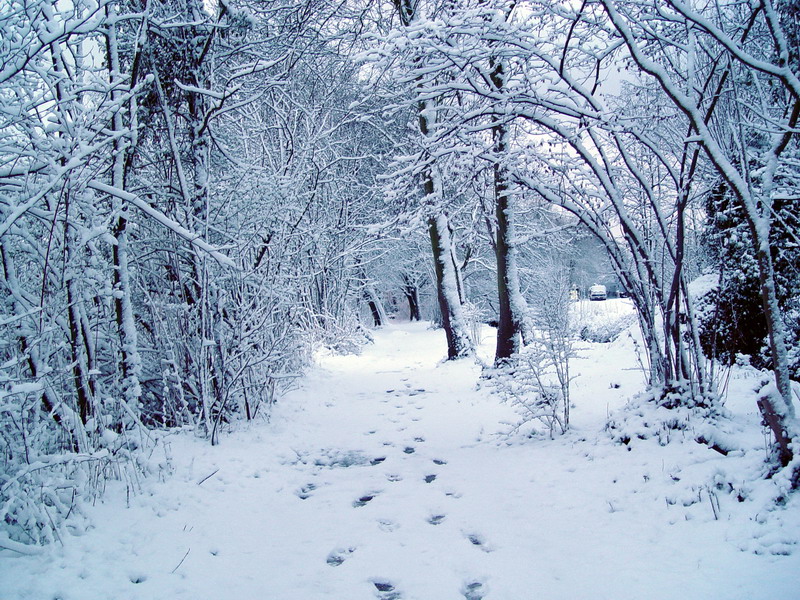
(390, 475)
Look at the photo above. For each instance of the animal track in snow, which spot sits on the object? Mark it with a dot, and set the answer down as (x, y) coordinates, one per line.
(439, 461)
(430, 478)
(436, 519)
(409, 450)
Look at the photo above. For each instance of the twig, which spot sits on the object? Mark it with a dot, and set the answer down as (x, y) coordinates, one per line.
(214, 472)
(712, 498)
(187, 552)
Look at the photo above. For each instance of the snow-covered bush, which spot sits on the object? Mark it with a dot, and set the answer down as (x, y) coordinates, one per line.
(667, 413)
(536, 382)
(474, 317)
(49, 469)
(521, 381)
(605, 330)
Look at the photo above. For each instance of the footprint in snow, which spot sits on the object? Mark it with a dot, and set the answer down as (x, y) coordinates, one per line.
(364, 500)
(478, 540)
(377, 461)
(338, 556)
(387, 525)
(386, 590)
(473, 591)
(439, 461)
(409, 450)
(393, 477)
(430, 478)
(436, 519)
(419, 439)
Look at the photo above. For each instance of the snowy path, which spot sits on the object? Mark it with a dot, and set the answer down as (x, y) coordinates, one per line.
(386, 477)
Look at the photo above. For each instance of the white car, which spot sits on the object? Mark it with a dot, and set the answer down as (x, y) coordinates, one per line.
(597, 292)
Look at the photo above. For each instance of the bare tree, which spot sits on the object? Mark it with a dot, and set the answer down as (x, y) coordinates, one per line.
(446, 268)
(748, 44)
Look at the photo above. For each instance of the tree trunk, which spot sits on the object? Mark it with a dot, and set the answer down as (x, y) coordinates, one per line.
(456, 331)
(81, 368)
(512, 306)
(778, 418)
(448, 286)
(123, 306)
(507, 330)
(412, 296)
(376, 314)
(375, 306)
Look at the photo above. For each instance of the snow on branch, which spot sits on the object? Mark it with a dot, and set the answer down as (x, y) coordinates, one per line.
(193, 89)
(26, 549)
(193, 238)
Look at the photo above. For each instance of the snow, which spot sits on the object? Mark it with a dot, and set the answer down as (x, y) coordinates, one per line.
(703, 285)
(390, 475)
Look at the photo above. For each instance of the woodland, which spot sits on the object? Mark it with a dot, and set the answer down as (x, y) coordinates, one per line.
(197, 196)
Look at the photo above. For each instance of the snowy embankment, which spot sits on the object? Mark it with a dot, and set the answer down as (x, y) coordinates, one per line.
(388, 475)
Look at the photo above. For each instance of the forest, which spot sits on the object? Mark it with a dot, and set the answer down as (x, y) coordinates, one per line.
(198, 196)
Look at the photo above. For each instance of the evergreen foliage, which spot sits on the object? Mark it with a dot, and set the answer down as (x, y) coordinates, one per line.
(732, 319)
